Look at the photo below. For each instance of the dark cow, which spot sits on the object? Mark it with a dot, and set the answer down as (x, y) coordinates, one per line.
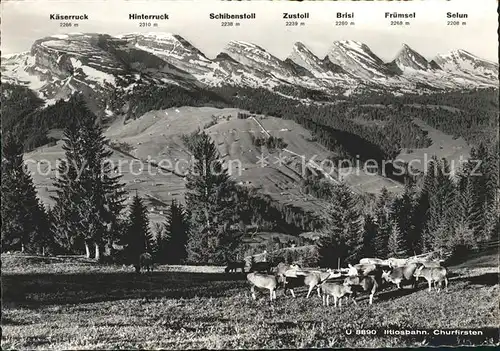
(263, 267)
(362, 284)
(290, 283)
(145, 261)
(234, 266)
(287, 277)
(401, 275)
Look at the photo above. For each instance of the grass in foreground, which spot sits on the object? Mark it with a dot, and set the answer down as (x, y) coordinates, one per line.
(96, 307)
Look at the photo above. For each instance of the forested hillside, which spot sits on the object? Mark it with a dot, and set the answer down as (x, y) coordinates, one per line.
(436, 210)
(371, 127)
(27, 117)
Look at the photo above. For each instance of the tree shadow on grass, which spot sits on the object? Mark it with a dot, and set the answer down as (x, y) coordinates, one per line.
(390, 292)
(385, 295)
(293, 325)
(487, 279)
(9, 321)
(33, 290)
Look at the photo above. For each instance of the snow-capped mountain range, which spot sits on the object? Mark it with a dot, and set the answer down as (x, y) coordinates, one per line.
(58, 65)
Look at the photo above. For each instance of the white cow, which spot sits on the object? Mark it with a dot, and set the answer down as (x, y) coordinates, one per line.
(263, 281)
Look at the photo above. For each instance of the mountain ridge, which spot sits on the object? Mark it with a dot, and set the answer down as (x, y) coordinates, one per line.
(58, 65)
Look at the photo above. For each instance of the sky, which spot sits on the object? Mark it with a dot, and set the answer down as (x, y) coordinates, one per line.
(25, 21)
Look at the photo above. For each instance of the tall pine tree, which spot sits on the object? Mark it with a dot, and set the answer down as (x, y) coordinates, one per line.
(442, 212)
(343, 237)
(89, 197)
(484, 178)
(369, 236)
(24, 221)
(464, 234)
(403, 208)
(172, 246)
(138, 238)
(211, 200)
(395, 242)
(383, 220)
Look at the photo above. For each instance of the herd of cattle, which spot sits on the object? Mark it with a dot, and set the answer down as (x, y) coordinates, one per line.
(368, 276)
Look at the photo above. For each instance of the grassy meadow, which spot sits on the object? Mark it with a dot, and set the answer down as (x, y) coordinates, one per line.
(69, 303)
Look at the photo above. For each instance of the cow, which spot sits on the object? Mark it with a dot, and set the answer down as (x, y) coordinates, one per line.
(433, 275)
(399, 275)
(371, 261)
(290, 283)
(282, 268)
(336, 290)
(294, 278)
(360, 283)
(145, 261)
(431, 264)
(315, 278)
(397, 262)
(263, 267)
(287, 276)
(263, 281)
(363, 270)
(234, 266)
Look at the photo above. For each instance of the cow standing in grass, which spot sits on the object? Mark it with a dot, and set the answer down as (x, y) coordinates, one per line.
(401, 275)
(234, 266)
(315, 279)
(436, 275)
(282, 268)
(431, 264)
(263, 281)
(362, 284)
(364, 270)
(311, 279)
(287, 277)
(145, 261)
(262, 267)
(376, 261)
(337, 290)
(285, 273)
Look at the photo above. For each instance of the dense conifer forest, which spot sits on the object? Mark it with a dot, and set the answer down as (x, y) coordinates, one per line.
(436, 210)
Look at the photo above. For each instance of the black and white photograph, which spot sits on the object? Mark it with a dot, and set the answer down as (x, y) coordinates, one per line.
(204, 174)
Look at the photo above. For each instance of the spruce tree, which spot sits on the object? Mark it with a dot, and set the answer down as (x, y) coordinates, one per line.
(211, 200)
(342, 238)
(24, 221)
(431, 186)
(172, 249)
(485, 185)
(395, 242)
(66, 226)
(403, 209)
(369, 236)
(46, 240)
(89, 197)
(422, 230)
(138, 238)
(160, 239)
(383, 220)
(443, 208)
